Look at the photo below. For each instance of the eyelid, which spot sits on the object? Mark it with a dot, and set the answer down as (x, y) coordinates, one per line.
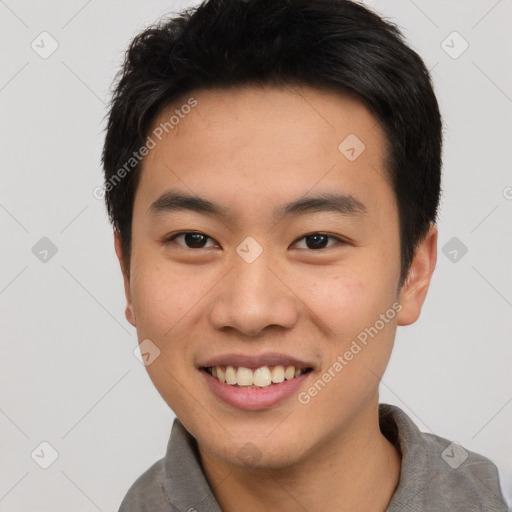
(329, 235)
(170, 238)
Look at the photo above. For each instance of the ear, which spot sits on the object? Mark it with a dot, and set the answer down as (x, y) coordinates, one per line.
(414, 291)
(129, 313)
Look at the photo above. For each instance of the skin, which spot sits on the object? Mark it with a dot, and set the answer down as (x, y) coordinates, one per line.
(253, 149)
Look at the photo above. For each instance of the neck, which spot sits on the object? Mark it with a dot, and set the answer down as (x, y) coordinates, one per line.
(356, 469)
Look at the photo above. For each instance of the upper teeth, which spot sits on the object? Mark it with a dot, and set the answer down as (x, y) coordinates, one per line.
(260, 377)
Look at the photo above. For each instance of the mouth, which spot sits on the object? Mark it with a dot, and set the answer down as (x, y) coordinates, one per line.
(256, 377)
(255, 382)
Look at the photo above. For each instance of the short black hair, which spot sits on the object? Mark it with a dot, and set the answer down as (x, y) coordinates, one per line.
(338, 45)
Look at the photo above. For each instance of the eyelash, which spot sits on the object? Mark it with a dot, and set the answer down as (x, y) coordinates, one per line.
(169, 239)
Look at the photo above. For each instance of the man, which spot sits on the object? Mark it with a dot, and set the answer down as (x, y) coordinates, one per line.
(272, 171)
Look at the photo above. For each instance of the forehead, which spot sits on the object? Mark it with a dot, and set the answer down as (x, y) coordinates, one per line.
(295, 114)
(265, 141)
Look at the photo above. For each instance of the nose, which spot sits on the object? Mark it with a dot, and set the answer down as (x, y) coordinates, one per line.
(252, 297)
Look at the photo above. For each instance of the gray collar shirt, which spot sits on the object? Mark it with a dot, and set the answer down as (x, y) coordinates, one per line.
(436, 475)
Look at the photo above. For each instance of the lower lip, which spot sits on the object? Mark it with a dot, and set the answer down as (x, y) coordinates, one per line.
(253, 399)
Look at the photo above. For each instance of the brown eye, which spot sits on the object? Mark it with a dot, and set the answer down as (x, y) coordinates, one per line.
(191, 239)
(317, 241)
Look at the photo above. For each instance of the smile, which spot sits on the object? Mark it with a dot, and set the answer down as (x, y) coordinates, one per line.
(260, 377)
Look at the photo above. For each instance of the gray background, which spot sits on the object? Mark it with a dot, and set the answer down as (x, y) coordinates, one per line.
(68, 373)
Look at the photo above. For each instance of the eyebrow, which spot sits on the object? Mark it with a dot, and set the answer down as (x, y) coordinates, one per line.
(347, 205)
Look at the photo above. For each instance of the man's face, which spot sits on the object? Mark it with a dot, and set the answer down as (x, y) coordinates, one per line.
(304, 284)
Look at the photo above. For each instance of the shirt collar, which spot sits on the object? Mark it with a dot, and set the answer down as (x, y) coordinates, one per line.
(185, 482)
(186, 485)
(403, 433)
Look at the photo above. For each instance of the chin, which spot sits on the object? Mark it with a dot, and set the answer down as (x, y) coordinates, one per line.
(249, 452)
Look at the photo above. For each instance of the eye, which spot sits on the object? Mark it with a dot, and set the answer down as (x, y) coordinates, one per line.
(192, 239)
(197, 240)
(317, 241)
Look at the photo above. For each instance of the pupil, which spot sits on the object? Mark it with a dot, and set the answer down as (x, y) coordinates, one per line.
(194, 239)
(318, 242)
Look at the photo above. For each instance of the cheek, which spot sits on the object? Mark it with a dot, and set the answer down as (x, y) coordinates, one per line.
(349, 299)
(351, 305)
(163, 302)
(360, 342)
(159, 301)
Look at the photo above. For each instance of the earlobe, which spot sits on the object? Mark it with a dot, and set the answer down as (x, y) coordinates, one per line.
(129, 313)
(415, 288)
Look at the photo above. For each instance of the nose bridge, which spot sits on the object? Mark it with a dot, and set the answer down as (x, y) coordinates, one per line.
(254, 280)
(251, 275)
(252, 297)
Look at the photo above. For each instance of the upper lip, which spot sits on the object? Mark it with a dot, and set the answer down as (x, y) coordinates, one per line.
(255, 361)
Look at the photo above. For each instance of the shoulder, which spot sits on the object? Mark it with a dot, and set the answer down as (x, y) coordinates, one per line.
(463, 474)
(147, 492)
(438, 474)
